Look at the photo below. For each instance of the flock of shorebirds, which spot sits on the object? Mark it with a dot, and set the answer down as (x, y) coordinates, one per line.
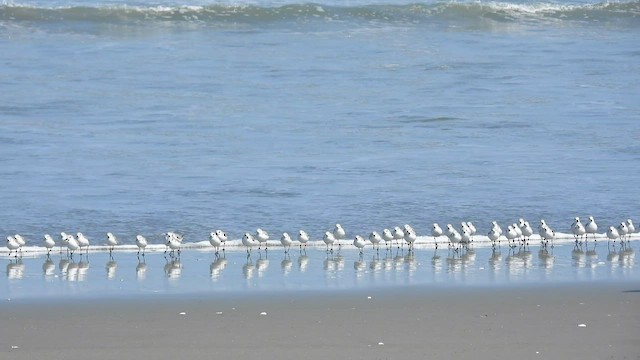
(516, 234)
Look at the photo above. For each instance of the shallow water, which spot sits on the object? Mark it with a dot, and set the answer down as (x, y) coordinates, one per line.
(123, 274)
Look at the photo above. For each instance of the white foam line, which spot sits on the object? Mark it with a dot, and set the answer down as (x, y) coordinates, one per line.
(422, 242)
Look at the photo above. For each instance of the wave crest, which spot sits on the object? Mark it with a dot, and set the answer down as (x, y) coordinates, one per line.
(410, 13)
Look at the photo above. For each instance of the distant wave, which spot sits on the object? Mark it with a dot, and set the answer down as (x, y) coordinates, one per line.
(628, 12)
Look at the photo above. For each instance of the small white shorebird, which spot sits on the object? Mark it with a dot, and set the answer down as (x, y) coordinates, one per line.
(375, 240)
(546, 234)
(465, 236)
(591, 228)
(329, 239)
(21, 240)
(518, 231)
(215, 241)
(494, 236)
(398, 235)
(387, 236)
(436, 232)
(174, 245)
(72, 243)
(13, 245)
(141, 242)
(49, 243)
(112, 241)
(303, 238)
(359, 242)
(472, 228)
(339, 233)
(526, 230)
(623, 230)
(83, 242)
(172, 241)
(262, 237)
(249, 242)
(612, 234)
(511, 235)
(286, 242)
(222, 236)
(631, 229)
(410, 237)
(454, 237)
(577, 229)
(496, 227)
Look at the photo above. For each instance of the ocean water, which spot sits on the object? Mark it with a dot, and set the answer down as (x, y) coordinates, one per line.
(202, 273)
(148, 116)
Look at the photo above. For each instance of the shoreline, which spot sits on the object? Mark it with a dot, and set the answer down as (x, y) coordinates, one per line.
(524, 322)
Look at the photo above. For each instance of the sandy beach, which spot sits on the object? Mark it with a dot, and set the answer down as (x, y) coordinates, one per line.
(584, 321)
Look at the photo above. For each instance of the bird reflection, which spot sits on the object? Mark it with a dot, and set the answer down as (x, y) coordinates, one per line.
(360, 266)
(262, 264)
(578, 256)
(141, 268)
(329, 263)
(173, 268)
(303, 262)
(286, 264)
(627, 257)
(339, 259)
(63, 265)
(375, 265)
(71, 272)
(111, 267)
(410, 261)
(15, 269)
(248, 269)
(454, 262)
(436, 262)
(83, 269)
(495, 261)
(546, 258)
(48, 268)
(468, 258)
(217, 266)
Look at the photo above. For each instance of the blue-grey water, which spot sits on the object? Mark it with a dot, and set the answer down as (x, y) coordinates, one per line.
(201, 273)
(147, 116)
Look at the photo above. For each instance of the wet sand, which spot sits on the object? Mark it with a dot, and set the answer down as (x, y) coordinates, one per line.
(533, 322)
